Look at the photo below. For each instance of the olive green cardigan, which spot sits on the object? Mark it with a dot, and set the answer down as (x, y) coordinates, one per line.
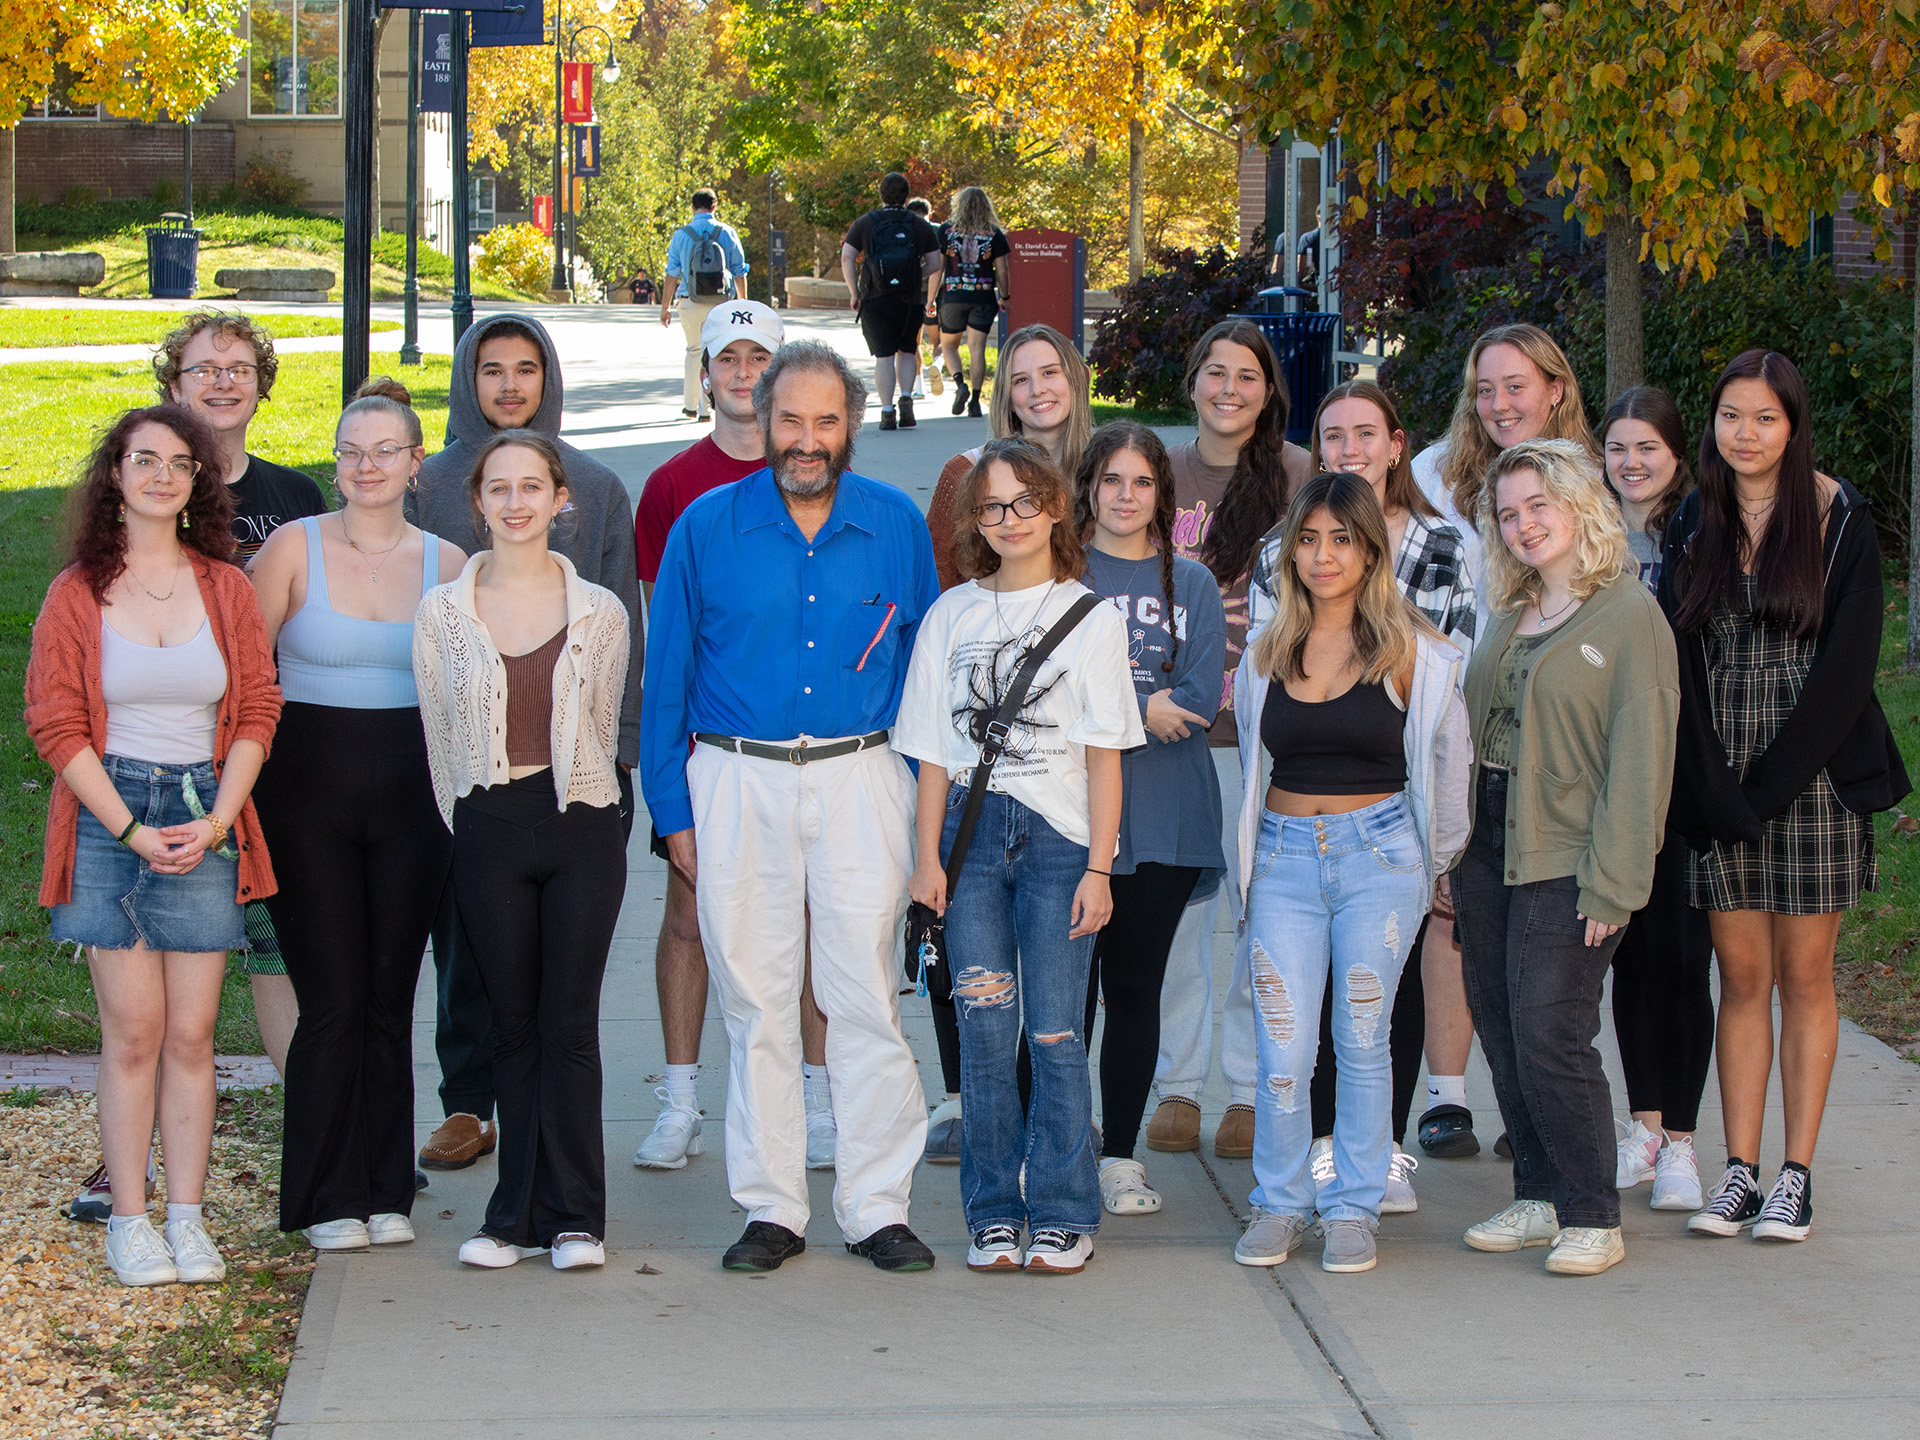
(1593, 751)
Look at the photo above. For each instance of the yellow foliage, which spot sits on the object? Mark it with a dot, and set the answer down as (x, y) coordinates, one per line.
(518, 256)
(146, 59)
(1514, 118)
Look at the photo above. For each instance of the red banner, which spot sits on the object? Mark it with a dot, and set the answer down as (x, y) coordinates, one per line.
(543, 214)
(577, 89)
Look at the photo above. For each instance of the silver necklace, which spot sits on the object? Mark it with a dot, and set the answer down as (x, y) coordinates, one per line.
(373, 557)
(1545, 619)
(999, 625)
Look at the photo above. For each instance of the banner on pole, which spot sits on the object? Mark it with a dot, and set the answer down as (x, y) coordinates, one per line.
(436, 64)
(577, 93)
(527, 26)
(586, 151)
(543, 214)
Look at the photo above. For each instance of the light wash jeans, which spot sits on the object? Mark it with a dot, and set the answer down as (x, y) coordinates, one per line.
(1341, 894)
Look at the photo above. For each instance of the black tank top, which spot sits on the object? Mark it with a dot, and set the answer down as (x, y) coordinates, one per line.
(1352, 744)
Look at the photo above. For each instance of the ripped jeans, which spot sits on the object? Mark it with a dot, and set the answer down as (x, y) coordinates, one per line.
(1014, 968)
(1338, 895)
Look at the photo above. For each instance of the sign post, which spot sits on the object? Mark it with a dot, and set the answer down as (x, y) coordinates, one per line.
(1047, 277)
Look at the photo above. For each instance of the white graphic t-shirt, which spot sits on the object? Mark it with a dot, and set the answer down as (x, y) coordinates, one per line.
(968, 649)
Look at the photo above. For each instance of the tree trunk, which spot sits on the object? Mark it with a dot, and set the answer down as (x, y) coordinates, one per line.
(1136, 199)
(1913, 478)
(7, 245)
(1626, 330)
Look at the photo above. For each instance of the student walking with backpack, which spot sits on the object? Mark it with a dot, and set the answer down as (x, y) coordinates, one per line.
(891, 261)
(705, 265)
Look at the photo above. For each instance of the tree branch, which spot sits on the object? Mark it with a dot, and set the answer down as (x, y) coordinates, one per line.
(1178, 109)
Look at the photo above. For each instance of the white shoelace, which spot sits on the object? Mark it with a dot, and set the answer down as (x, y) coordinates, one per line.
(1053, 1239)
(1783, 1205)
(1322, 1171)
(995, 1235)
(1401, 1167)
(143, 1244)
(191, 1242)
(1731, 1193)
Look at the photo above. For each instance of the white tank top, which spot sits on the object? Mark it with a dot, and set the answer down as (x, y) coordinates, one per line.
(163, 701)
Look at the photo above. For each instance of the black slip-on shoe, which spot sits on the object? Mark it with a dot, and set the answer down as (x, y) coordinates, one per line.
(894, 1248)
(763, 1246)
(1446, 1133)
(960, 394)
(420, 1181)
(1503, 1147)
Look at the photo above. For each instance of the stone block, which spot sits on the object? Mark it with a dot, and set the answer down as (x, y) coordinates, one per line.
(805, 292)
(280, 284)
(51, 272)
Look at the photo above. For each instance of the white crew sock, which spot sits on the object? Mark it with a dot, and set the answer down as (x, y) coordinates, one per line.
(1446, 1090)
(680, 1084)
(177, 1213)
(117, 1223)
(818, 1087)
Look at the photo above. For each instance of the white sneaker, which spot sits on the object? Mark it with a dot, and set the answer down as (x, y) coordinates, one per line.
(1058, 1252)
(490, 1254)
(1124, 1189)
(389, 1229)
(1584, 1250)
(995, 1247)
(1320, 1166)
(1676, 1177)
(822, 1139)
(195, 1258)
(1521, 1224)
(338, 1235)
(571, 1252)
(1399, 1198)
(139, 1256)
(675, 1136)
(1638, 1151)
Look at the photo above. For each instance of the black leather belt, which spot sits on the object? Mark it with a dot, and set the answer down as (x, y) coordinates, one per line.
(800, 754)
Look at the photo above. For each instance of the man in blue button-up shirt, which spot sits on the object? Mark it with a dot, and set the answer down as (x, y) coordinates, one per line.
(782, 621)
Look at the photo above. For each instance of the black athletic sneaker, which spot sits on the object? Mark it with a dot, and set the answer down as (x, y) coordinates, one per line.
(1788, 1213)
(1446, 1133)
(907, 422)
(887, 422)
(973, 408)
(763, 1246)
(893, 1248)
(1734, 1204)
(960, 394)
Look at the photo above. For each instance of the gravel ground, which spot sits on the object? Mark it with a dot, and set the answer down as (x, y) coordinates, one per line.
(82, 1355)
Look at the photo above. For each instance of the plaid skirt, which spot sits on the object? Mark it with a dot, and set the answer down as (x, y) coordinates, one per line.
(1814, 858)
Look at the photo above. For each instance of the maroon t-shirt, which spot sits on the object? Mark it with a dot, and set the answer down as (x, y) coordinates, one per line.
(701, 467)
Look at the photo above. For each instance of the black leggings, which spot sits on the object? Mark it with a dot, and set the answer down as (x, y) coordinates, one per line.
(1129, 965)
(1406, 1038)
(348, 815)
(1662, 1003)
(539, 892)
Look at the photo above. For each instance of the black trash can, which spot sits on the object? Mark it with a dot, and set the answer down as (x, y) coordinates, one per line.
(1304, 344)
(173, 258)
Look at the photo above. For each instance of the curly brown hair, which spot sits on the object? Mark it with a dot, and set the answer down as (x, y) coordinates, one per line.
(99, 548)
(231, 323)
(1041, 479)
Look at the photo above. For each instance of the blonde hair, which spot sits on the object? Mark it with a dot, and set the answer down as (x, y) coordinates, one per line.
(1470, 450)
(1572, 478)
(970, 212)
(1386, 627)
(1079, 427)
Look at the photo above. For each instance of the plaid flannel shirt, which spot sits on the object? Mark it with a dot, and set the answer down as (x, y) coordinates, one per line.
(1431, 570)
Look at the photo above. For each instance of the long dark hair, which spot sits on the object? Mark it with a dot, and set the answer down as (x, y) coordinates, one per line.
(1257, 493)
(1789, 585)
(1651, 405)
(1108, 441)
(100, 535)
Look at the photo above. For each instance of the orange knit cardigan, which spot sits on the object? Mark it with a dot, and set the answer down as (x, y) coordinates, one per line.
(66, 710)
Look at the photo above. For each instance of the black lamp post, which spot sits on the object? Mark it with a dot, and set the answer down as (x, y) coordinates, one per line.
(610, 72)
(410, 292)
(462, 184)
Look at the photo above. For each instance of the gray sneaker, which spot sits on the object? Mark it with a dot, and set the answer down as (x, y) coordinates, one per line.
(1270, 1237)
(1349, 1247)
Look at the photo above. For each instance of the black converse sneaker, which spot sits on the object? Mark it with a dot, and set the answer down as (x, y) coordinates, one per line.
(1788, 1213)
(1734, 1204)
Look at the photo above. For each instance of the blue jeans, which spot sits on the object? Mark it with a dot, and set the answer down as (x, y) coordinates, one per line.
(1341, 894)
(1013, 965)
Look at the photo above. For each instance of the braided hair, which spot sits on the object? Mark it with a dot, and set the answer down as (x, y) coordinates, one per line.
(1108, 441)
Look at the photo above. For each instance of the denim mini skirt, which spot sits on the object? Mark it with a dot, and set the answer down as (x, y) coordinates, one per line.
(118, 901)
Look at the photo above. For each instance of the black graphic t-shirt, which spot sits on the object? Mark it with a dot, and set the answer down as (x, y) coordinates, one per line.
(969, 260)
(266, 497)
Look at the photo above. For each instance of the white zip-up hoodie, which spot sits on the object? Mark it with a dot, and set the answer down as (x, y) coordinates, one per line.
(1439, 757)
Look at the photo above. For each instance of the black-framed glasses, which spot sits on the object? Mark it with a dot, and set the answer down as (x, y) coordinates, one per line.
(992, 512)
(207, 374)
(146, 464)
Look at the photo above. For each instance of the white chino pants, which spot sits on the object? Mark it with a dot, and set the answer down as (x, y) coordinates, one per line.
(693, 312)
(774, 839)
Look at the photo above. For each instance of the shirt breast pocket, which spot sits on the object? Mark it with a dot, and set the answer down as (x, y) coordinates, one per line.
(870, 635)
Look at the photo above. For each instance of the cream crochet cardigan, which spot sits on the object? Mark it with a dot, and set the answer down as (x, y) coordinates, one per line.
(463, 692)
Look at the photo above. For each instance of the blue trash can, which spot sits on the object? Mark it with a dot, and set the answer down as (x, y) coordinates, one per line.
(1304, 343)
(173, 258)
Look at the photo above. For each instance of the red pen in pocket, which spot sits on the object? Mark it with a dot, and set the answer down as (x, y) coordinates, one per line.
(888, 620)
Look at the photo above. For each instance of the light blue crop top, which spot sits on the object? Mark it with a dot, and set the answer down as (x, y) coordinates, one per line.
(327, 658)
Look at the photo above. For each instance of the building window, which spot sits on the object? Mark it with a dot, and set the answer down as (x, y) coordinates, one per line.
(58, 102)
(294, 58)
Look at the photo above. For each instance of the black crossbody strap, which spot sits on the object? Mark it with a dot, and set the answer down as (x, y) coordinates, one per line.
(1002, 725)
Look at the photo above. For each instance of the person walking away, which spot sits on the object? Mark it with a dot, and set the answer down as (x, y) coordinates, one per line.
(1772, 579)
(1034, 885)
(1231, 484)
(706, 266)
(1573, 700)
(890, 259)
(1662, 986)
(929, 333)
(1357, 430)
(347, 803)
(506, 379)
(1517, 385)
(1170, 818)
(973, 290)
(150, 694)
(1353, 698)
(785, 610)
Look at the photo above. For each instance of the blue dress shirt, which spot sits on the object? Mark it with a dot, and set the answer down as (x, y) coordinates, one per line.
(758, 632)
(680, 246)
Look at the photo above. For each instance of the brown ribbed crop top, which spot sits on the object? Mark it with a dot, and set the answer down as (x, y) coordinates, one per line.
(530, 702)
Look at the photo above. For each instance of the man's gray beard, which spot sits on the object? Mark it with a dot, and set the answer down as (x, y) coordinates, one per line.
(807, 490)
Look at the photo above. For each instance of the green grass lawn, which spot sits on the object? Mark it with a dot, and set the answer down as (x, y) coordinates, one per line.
(46, 1002)
(25, 328)
(247, 237)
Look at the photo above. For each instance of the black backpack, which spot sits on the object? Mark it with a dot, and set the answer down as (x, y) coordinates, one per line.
(893, 254)
(708, 262)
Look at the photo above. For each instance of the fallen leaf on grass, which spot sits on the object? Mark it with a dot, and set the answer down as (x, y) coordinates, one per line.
(1906, 825)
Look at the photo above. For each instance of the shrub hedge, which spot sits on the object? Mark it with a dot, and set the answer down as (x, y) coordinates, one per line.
(1139, 351)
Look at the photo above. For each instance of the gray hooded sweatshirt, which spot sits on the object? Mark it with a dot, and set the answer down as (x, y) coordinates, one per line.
(595, 532)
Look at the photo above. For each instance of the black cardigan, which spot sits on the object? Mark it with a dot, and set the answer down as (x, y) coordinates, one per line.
(1836, 725)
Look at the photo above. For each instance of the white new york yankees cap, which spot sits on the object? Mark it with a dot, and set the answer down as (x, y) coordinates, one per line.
(742, 320)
